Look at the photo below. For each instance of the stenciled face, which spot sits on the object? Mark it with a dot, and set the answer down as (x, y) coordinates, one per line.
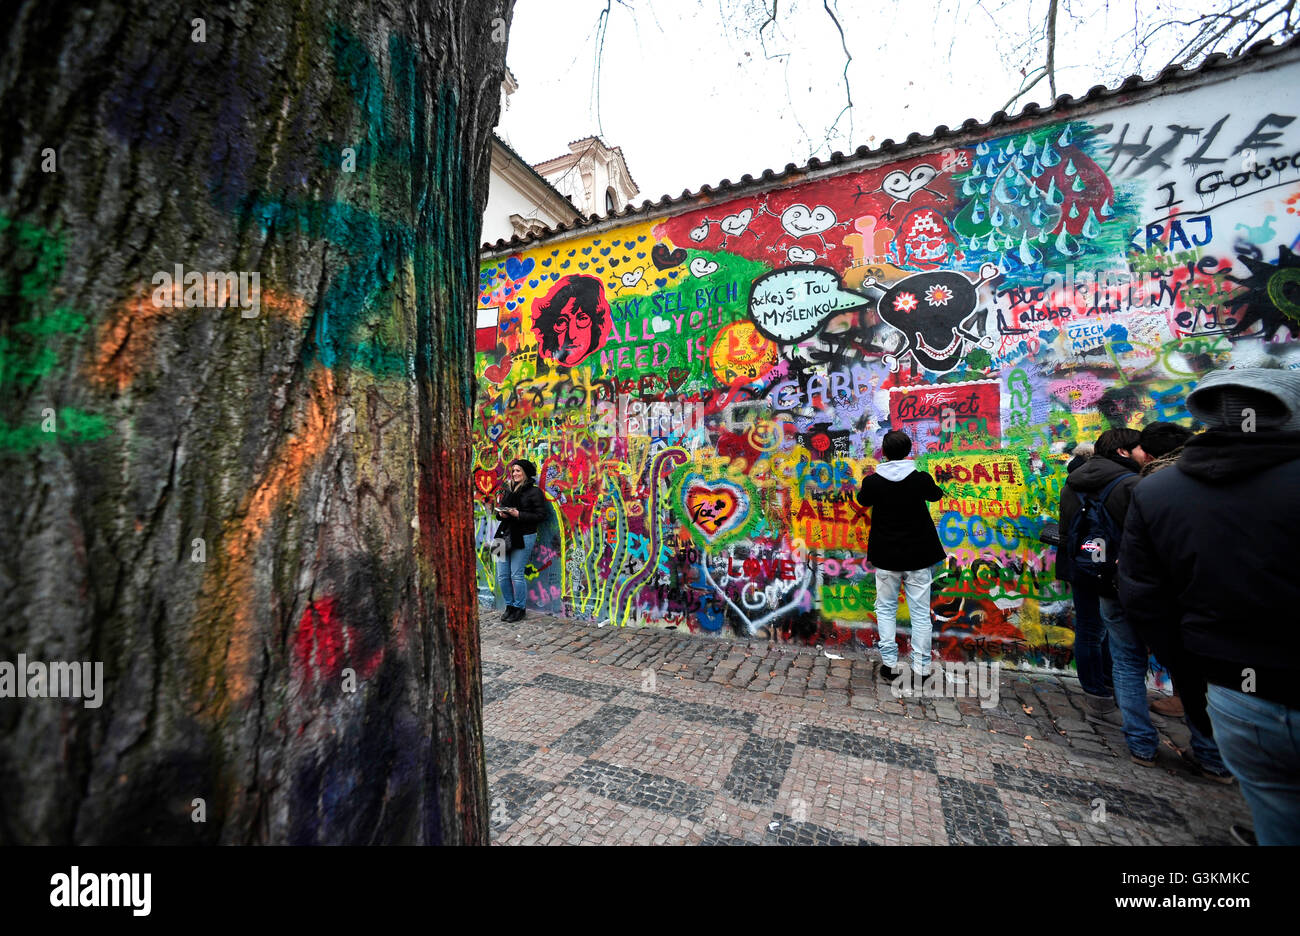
(574, 334)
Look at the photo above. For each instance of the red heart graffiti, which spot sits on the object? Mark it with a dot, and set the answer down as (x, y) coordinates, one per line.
(710, 508)
(497, 373)
(485, 481)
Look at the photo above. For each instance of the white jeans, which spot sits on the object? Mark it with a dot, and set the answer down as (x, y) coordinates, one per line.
(917, 584)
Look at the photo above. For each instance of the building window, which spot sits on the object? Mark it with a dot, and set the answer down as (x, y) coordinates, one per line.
(610, 207)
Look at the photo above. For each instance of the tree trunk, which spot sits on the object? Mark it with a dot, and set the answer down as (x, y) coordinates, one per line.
(253, 510)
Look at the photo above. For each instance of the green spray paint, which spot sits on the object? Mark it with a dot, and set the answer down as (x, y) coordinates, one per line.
(29, 349)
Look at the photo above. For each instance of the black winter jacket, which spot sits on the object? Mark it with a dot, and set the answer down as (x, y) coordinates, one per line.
(903, 537)
(1091, 477)
(1208, 565)
(532, 511)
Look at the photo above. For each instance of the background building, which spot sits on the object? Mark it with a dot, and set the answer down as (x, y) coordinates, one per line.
(591, 179)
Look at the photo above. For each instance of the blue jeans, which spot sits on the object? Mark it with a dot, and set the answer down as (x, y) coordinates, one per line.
(510, 572)
(1260, 741)
(1091, 648)
(917, 583)
(1129, 669)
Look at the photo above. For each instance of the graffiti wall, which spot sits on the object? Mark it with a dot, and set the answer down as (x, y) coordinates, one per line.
(704, 391)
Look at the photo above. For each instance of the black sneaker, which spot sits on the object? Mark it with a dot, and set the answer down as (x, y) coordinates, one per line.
(520, 614)
(1243, 835)
(887, 672)
(511, 614)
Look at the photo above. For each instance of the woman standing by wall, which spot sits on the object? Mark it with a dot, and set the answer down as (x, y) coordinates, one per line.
(521, 507)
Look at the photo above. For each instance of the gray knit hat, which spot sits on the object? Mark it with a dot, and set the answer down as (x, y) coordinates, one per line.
(1221, 398)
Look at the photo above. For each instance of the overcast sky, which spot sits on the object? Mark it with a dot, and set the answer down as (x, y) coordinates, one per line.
(688, 91)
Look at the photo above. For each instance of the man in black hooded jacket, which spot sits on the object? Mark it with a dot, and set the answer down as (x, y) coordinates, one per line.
(1208, 575)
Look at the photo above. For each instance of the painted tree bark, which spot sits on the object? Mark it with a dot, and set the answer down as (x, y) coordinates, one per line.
(255, 511)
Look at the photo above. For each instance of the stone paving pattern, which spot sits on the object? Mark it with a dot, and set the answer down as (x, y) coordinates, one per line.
(646, 736)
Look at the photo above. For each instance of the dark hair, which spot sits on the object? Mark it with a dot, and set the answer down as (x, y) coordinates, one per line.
(1112, 440)
(530, 470)
(588, 295)
(896, 445)
(1161, 438)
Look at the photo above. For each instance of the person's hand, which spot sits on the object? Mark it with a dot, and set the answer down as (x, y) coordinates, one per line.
(514, 511)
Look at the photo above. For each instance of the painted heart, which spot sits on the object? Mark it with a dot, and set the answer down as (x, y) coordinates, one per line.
(532, 284)
(554, 276)
(699, 233)
(497, 373)
(714, 510)
(661, 281)
(595, 240)
(640, 237)
(486, 300)
(632, 277)
(600, 269)
(640, 254)
(734, 225)
(660, 325)
(586, 250)
(902, 185)
(582, 265)
(702, 267)
(547, 261)
(802, 221)
(801, 255)
(615, 261)
(518, 269)
(664, 258)
(711, 508)
(616, 242)
(673, 273)
(604, 251)
(485, 481)
(565, 264)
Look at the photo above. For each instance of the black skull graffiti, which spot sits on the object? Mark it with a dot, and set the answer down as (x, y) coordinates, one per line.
(931, 310)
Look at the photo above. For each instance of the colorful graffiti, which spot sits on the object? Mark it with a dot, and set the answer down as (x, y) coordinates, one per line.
(706, 390)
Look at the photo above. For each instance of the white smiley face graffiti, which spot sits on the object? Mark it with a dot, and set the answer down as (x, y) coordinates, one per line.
(902, 185)
(735, 225)
(699, 233)
(801, 221)
(702, 267)
(631, 277)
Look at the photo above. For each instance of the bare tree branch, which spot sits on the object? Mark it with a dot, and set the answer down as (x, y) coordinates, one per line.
(1051, 48)
(1041, 72)
(848, 58)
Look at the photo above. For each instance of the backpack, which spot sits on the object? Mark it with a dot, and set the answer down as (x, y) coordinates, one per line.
(1093, 539)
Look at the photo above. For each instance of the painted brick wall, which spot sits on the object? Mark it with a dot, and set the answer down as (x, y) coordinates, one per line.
(704, 391)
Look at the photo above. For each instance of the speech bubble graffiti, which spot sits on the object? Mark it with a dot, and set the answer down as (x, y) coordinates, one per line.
(789, 304)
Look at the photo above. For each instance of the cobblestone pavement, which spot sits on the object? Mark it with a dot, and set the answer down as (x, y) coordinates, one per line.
(618, 736)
